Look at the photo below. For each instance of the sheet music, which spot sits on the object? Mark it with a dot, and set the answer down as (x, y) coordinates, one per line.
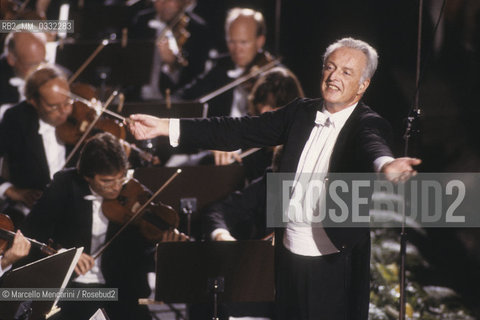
(99, 315)
(67, 276)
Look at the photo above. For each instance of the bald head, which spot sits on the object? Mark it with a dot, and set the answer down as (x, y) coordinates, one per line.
(245, 33)
(25, 51)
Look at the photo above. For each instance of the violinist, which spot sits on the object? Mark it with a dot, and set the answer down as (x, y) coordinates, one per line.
(28, 142)
(273, 89)
(70, 212)
(19, 249)
(182, 44)
(22, 52)
(245, 32)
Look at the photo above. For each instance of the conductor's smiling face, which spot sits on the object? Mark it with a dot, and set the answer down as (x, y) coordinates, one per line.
(342, 71)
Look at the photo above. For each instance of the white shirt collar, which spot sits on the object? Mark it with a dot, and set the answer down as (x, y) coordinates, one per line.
(44, 127)
(94, 196)
(337, 119)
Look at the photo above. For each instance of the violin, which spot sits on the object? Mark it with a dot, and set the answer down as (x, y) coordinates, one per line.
(153, 219)
(260, 65)
(178, 27)
(181, 36)
(156, 218)
(7, 234)
(83, 115)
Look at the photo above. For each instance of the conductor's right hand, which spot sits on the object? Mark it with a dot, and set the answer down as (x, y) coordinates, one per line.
(224, 236)
(84, 264)
(147, 127)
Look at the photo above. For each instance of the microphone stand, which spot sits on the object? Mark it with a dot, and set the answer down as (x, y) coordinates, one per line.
(412, 130)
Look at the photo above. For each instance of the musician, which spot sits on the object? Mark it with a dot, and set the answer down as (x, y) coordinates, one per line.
(28, 142)
(245, 33)
(322, 273)
(273, 89)
(70, 212)
(174, 64)
(23, 51)
(19, 249)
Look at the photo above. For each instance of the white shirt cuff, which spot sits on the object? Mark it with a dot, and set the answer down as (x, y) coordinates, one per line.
(3, 187)
(380, 162)
(2, 271)
(174, 132)
(217, 231)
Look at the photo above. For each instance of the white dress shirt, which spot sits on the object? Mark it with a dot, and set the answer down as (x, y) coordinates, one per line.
(303, 238)
(54, 149)
(99, 232)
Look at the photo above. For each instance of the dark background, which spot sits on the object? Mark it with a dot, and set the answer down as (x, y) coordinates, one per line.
(448, 138)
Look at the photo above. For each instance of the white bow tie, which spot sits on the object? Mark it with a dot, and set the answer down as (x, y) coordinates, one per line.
(16, 82)
(235, 73)
(93, 197)
(323, 120)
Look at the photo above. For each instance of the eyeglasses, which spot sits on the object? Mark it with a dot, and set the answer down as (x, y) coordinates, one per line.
(54, 107)
(110, 183)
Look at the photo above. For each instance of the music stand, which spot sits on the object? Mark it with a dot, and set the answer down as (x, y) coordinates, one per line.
(196, 187)
(50, 272)
(205, 183)
(198, 272)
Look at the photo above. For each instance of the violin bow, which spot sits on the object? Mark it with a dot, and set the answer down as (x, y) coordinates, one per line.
(89, 59)
(253, 73)
(7, 234)
(136, 214)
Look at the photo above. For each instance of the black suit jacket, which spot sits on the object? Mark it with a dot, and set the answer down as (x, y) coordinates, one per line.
(242, 212)
(22, 147)
(364, 138)
(210, 81)
(8, 93)
(63, 215)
